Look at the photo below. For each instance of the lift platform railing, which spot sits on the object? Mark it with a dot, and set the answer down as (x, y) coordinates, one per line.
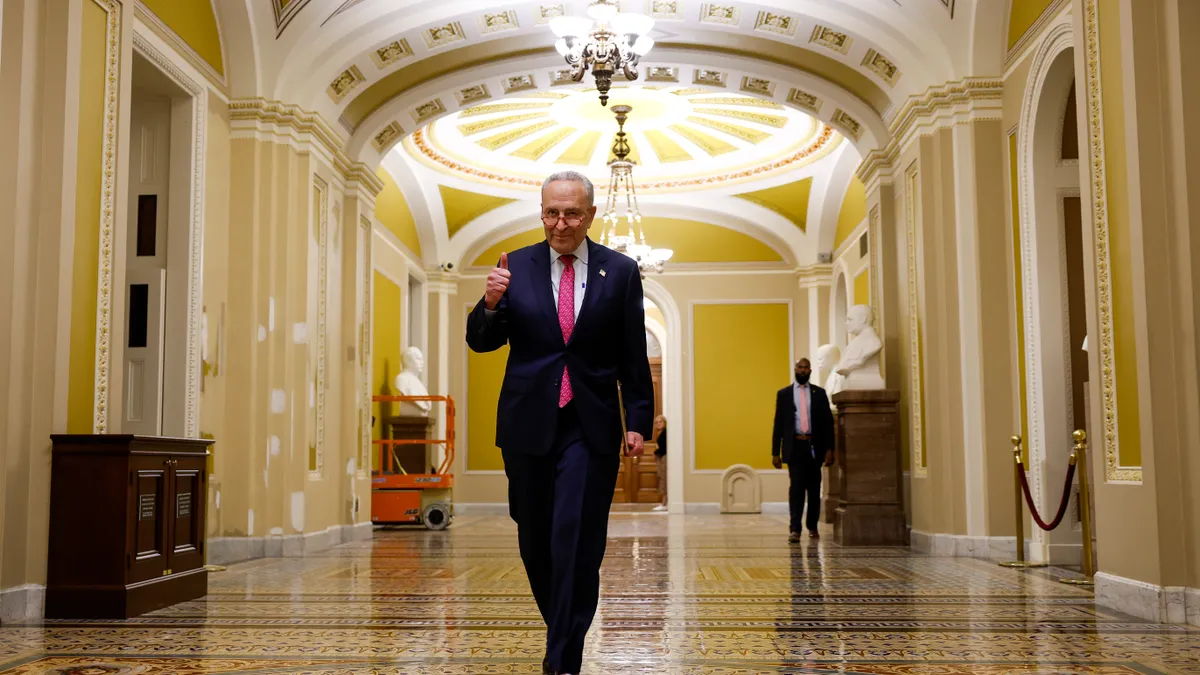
(388, 463)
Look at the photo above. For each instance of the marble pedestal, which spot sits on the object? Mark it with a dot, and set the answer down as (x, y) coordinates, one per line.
(871, 509)
(832, 483)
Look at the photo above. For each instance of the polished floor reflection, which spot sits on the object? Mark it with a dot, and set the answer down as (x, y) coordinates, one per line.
(695, 594)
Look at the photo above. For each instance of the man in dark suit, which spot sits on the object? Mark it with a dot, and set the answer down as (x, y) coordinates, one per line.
(803, 439)
(571, 312)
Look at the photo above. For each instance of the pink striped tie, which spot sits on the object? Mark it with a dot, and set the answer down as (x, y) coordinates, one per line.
(566, 319)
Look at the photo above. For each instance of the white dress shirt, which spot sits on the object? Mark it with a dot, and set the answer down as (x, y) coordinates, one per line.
(557, 267)
(802, 395)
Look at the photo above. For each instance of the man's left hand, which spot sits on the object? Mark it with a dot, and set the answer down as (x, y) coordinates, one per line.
(635, 445)
(828, 458)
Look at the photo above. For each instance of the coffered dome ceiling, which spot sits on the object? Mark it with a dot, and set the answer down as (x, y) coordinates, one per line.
(680, 137)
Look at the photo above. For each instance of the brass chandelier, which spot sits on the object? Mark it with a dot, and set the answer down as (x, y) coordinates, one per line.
(605, 41)
(620, 188)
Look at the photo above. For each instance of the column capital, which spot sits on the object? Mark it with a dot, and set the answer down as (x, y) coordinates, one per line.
(441, 281)
(964, 101)
(817, 275)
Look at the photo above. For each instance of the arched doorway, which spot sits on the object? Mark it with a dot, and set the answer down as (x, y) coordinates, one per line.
(637, 480)
(1053, 285)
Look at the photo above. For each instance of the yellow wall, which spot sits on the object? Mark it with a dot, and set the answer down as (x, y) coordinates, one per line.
(485, 374)
(741, 356)
(386, 318)
(194, 22)
(88, 176)
(862, 287)
(693, 242)
(789, 201)
(462, 207)
(854, 209)
(392, 210)
(1120, 239)
(1022, 15)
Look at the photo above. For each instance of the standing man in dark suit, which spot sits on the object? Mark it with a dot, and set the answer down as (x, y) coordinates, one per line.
(803, 439)
(571, 312)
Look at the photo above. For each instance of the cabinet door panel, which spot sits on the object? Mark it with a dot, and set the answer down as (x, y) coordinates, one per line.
(147, 557)
(187, 540)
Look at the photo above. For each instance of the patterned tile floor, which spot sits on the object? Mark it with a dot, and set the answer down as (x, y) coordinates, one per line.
(694, 594)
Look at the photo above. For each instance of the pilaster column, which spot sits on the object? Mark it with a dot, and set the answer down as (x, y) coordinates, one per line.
(442, 291)
(1140, 64)
(64, 82)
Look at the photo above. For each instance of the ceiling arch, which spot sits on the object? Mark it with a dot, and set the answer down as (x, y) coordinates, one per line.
(796, 89)
(694, 242)
(768, 227)
(875, 38)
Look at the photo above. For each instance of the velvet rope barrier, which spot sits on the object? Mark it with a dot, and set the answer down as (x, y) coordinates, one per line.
(1062, 507)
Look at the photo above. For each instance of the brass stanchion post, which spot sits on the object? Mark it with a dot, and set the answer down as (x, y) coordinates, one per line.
(1085, 511)
(1018, 467)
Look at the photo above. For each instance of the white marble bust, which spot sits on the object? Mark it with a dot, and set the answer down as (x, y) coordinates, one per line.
(408, 383)
(827, 357)
(860, 359)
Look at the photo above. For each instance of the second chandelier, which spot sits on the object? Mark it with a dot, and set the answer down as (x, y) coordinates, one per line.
(605, 41)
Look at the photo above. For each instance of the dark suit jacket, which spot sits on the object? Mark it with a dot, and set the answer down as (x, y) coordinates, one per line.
(784, 435)
(607, 344)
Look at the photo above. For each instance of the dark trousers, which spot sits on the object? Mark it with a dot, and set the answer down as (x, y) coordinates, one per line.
(804, 473)
(560, 503)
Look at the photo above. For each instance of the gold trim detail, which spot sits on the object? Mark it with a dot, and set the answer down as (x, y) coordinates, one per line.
(104, 292)
(746, 116)
(384, 138)
(823, 142)
(475, 127)
(1113, 470)
(916, 397)
(743, 133)
(322, 188)
(745, 101)
(364, 355)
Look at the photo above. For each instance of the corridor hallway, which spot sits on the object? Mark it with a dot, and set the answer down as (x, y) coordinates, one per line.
(681, 594)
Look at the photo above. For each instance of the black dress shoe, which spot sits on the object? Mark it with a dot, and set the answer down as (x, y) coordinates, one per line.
(546, 669)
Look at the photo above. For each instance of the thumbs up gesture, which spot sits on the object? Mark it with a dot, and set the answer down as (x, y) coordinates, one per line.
(497, 283)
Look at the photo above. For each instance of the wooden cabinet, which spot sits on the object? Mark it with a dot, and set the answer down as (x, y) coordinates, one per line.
(126, 525)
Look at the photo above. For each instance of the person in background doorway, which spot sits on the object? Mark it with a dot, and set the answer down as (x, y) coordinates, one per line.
(660, 461)
(803, 439)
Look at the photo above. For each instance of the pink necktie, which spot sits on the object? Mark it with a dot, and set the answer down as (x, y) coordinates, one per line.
(803, 410)
(566, 319)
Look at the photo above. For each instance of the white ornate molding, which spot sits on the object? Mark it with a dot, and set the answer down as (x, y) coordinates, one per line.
(195, 271)
(322, 219)
(364, 345)
(965, 101)
(108, 191)
(1056, 42)
(916, 402)
(1113, 470)
(259, 117)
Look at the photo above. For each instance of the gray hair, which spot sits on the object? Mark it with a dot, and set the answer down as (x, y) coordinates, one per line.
(574, 177)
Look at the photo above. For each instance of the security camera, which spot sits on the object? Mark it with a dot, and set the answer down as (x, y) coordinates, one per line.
(447, 266)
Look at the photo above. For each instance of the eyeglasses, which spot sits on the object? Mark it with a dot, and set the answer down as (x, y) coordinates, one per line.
(573, 218)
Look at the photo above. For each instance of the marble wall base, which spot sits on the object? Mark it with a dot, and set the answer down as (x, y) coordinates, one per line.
(226, 550)
(22, 603)
(1164, 604)
(964, 546)
(871, 509)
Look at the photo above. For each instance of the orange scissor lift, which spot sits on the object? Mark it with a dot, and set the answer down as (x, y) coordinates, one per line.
(399, 497)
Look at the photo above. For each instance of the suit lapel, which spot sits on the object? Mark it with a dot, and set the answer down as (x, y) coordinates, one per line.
(541, 283)
(597, 258)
